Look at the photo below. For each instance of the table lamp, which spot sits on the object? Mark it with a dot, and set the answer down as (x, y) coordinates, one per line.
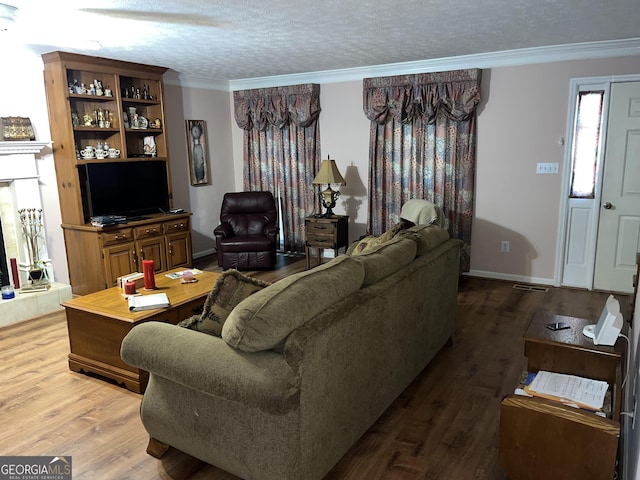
(328, 175)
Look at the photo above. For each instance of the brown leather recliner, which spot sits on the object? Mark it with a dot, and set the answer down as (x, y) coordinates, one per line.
(247, 235)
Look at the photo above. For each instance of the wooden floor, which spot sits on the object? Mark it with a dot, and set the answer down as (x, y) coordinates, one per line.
(444, 426)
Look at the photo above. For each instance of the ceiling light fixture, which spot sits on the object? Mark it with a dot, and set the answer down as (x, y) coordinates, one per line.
(7, 16)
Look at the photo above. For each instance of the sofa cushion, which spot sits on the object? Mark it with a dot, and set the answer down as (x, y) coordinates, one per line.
(265, 319)
(427, 237)
(386, 259)
(230, 289)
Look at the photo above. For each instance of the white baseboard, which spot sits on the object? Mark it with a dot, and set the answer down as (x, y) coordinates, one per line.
(509, 277)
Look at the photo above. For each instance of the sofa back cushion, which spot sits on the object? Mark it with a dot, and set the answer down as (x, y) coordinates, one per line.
(265, 319)
(427, 237)
(385, 259)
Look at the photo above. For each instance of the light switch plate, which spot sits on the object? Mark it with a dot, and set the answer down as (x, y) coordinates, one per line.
(547, 168)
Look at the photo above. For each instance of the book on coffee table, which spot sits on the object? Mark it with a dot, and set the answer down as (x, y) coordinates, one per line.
(148, 302)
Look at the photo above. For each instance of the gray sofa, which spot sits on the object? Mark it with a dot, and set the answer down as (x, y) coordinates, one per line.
(305, 366)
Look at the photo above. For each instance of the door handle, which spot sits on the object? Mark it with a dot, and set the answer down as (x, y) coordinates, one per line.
(607, 206)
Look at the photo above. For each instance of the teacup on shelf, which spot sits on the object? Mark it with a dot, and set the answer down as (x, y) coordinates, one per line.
(114, 153)
(100, 154)
(88, 152)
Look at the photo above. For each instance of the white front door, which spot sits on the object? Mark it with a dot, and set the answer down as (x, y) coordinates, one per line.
(619, 225)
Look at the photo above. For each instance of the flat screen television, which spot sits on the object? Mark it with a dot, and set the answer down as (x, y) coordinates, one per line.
(130, 189)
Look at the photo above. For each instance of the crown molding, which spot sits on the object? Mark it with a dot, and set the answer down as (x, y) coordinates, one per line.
(174, 78)
(506, 58)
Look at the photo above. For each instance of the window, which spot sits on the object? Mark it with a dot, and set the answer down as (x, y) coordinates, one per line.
(586, 141)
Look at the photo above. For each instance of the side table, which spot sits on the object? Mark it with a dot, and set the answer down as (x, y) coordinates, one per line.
(325, 232)
(544, 439)
(569, 351)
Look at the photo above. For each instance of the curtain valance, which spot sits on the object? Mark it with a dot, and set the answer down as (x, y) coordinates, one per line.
(278, 106)
(422, 96)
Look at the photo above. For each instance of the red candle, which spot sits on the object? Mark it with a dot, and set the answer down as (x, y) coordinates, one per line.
(149, 275)
(129, 288)
(14, 272)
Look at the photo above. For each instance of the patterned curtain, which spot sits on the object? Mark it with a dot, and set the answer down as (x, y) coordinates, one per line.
(423, 145)
(282, 150)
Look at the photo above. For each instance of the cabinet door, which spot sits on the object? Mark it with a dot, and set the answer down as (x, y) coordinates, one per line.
(152, 249)
(150, 245)
(178, 250)
(119, 260)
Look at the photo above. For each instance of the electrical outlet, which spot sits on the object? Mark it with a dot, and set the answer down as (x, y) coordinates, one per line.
(504, 246)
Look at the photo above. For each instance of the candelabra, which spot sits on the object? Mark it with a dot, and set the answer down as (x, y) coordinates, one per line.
(31, 220)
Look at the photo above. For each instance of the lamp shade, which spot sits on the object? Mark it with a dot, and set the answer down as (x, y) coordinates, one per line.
(328, 174)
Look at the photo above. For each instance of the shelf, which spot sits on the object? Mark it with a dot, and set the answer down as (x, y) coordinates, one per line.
(96, 129)
(139, 101)
(91, 98)
(144, 130)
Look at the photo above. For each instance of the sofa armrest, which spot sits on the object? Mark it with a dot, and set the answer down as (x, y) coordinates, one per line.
(223, 230)
(270, 230)
(206, 363)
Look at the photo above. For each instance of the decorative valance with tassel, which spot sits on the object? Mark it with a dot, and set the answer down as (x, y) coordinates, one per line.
(277, 106)
(422, 96)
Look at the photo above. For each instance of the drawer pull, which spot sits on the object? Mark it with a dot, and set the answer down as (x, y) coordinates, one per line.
(155, 230)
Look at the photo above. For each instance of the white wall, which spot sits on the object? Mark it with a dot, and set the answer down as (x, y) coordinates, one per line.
(203, 201)
(523, 116)
(22, 94)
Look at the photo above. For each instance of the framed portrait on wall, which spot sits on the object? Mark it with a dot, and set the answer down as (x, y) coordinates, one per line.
(197, 152)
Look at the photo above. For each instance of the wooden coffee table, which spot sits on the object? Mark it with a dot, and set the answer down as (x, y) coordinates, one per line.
(99, 321)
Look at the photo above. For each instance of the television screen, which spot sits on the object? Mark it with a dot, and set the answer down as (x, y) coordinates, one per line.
(130, 189)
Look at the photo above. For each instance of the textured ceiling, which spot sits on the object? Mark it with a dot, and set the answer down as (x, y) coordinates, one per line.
(241, 39)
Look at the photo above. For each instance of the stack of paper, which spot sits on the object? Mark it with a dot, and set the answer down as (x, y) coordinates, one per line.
(148, 302)
(568, 389)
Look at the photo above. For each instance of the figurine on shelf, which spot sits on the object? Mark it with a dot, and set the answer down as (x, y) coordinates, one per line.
(100, 118)
(150, 146)
(88, 120)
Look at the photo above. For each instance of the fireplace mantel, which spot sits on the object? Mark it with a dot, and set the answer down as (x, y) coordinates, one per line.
(22, 148)
(20, 188)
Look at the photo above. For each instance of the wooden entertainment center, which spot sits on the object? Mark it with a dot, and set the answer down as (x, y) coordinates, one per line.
(94, 102)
